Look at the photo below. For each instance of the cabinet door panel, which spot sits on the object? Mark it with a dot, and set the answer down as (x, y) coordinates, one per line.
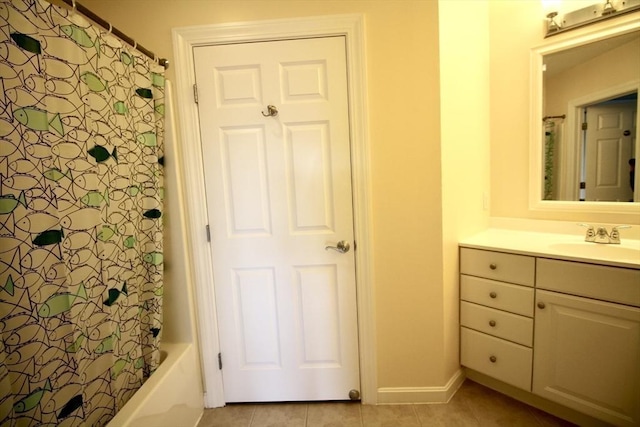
(587, 356)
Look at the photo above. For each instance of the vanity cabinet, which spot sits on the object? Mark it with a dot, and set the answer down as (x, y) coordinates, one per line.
(585, 351)
(496, 313)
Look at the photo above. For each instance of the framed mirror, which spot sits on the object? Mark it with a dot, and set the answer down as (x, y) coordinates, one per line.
(584, 121)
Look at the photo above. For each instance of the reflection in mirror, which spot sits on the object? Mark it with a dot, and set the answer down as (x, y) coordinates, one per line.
(590, 116)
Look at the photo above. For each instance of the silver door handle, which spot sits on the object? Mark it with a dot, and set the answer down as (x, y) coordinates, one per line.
(342, 247)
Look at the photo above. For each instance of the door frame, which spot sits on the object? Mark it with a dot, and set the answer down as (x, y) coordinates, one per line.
(571, 150)
(184, 40)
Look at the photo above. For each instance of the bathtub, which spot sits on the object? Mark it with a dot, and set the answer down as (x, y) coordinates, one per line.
(171, 397)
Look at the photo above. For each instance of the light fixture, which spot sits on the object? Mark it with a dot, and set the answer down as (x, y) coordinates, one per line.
(608, 9)
(552, 25)
(588, 15)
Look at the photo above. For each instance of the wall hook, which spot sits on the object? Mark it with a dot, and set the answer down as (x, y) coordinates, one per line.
(272, 111)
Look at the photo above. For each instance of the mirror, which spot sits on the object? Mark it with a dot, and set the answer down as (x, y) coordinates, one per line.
(593, 79)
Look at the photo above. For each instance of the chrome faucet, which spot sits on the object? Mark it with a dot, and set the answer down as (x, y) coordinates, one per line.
(601, 235)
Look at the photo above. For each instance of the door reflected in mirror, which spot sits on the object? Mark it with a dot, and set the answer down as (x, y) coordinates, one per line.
(590, 116)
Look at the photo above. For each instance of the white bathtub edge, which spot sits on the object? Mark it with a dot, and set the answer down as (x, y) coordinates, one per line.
(171, 397)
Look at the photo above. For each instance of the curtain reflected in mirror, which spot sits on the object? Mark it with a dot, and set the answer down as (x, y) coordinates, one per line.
(590, 109)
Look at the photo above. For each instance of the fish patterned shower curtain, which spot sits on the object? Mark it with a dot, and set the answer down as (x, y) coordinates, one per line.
(549, 159)
(81, 132)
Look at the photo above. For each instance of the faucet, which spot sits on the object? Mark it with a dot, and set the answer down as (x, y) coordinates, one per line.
(601, 235)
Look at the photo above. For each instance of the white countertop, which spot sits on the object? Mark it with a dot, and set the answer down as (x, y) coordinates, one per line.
(555, 245)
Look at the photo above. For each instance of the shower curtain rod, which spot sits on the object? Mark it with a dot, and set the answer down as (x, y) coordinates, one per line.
(545, 118)
(106, 25)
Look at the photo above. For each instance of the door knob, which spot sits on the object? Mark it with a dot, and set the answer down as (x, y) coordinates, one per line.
(342, 247)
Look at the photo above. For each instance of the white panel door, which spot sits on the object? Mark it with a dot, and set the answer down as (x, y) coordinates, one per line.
(278, 193)
(610, 143)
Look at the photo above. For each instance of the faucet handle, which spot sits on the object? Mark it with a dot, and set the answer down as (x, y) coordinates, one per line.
(614, 236)
(591, 233)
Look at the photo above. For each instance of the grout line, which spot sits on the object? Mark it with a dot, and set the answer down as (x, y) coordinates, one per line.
(253, 414)
(415, 414)
(306, 416)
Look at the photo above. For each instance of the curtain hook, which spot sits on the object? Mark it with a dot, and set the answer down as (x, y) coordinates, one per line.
(73, 7)
(135, 45)
(110, 28)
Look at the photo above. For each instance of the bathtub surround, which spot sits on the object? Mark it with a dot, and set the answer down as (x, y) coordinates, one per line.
(81, 243)
(171, 397)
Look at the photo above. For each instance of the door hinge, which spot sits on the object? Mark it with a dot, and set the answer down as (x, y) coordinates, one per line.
(220, 361)
(584, 126)
(208, 233)
(195, 93)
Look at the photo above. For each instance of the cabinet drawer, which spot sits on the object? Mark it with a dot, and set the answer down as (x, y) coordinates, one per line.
(501, 324)
(500, 359)
(513, 298)
(498, 266)
(602, 282)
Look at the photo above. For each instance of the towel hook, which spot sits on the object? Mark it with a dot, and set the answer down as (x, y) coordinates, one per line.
(272, 111)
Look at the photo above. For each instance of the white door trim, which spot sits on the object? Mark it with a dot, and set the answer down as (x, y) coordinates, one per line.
(184, 40)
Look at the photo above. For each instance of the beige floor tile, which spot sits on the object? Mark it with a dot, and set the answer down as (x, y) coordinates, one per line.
(233, 415)
(473, 405)
(549, 420)
(280, 415)
(334, 415)
(456, 413)
(495, 409)
(389, 416)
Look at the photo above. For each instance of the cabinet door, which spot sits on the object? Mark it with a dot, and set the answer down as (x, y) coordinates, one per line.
(587, 356)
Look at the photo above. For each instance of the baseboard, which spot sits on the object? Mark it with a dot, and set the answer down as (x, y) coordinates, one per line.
(406, 395)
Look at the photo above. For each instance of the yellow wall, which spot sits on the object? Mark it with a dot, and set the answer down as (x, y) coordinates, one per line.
(464, 97)
(620, 65)
(448, 90)
(403, 73)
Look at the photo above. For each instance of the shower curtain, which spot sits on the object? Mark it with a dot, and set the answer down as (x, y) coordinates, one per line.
(81, 263)
(549, 159)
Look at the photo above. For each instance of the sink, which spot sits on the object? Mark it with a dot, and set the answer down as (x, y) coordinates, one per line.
(595, 250)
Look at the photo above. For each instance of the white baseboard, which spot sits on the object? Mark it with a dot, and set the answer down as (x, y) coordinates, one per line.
(405, 395)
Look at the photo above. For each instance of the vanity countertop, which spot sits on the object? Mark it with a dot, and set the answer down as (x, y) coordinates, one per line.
(561, 246)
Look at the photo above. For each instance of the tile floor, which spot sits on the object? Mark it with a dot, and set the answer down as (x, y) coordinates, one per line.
(473, 405)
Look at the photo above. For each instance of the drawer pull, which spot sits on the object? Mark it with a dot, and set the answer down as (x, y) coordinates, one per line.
(493, 295)
(541, 305)
(493, 266)
(493, 359)
(492, 323)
